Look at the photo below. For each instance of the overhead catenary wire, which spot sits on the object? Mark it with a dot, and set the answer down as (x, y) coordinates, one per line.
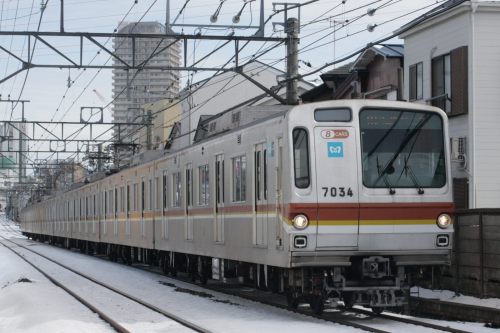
(384, 5)
(163, 110)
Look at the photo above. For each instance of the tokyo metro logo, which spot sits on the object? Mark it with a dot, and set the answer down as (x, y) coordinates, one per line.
(335, 149)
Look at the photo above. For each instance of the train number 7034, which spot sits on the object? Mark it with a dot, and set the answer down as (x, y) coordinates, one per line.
(337, 192)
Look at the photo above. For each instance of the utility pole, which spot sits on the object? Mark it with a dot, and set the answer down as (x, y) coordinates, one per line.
(292, 60)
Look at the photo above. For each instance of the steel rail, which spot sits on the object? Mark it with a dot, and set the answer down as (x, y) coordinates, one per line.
(169, 315)
(307, 313)
(101, 314)
(410, 321)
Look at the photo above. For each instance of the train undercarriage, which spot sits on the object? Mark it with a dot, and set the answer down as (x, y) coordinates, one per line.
(371, 281)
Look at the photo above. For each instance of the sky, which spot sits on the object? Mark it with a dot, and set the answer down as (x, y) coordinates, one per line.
(330, 30)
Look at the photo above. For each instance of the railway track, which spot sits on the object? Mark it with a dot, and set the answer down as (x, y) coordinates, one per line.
(114, 323)
(339, 317)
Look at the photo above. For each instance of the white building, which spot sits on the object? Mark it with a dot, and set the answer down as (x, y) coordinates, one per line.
(227, 90)
(452, 60)
(11, 148)
(149, 85)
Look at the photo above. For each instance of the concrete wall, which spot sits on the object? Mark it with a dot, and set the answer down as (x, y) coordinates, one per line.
(475, 268)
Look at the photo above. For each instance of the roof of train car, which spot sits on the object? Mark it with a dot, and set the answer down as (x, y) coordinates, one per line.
(274, 111)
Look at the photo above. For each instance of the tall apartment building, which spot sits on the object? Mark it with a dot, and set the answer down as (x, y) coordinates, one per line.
(132, 90)
(12, 142)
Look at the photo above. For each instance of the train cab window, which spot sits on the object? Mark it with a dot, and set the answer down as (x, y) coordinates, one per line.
(330, 115)
(239, 178)
(301, 158)
(402, 149)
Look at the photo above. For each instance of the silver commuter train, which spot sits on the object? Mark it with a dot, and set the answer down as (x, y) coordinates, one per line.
(333, 200)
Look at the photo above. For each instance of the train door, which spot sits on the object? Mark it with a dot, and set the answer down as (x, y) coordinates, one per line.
(219, 199)
(189, 202)
(337, 184)
(260, 195)
(279, 195)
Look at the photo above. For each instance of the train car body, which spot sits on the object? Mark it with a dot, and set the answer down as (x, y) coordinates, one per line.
(338, 199)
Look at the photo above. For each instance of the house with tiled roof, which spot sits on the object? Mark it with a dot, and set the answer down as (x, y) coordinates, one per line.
(375, 73)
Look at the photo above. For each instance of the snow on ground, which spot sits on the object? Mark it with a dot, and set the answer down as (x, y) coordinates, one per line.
(29, 303)
(43, 308)
(451, 296)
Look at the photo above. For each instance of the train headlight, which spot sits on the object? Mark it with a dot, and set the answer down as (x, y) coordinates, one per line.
(300, 221)
(443, 221)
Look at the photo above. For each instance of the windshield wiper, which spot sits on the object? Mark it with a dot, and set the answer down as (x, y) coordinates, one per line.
(409, 171)
(403, 144)
(392, 191)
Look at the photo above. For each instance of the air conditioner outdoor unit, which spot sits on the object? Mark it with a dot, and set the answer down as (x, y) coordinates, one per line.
(458, 149)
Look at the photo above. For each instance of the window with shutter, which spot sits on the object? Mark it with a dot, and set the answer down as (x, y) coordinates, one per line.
(441, 83)
(460, 81)
(461, 193)
(416, 81)
(450, 82)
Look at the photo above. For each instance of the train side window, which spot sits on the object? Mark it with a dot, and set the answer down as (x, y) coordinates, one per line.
(151, 195)
(265, 174)
(136, 198)
(105, 204)
(301, 157)
(143, 197)
(129, 198)
(239, 178)
(122, 207)
(158, 201)
(203, 188)
(164, 189)
(257, 175)
(176, 187)
(189, 185)
(116, 201)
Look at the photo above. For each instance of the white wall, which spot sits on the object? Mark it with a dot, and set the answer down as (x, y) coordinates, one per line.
(476, 27)
(486, 74)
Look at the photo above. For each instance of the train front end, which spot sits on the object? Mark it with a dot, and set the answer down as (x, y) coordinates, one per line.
(371, 199)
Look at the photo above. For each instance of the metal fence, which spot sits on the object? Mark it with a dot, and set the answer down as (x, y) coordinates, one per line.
(475, 268)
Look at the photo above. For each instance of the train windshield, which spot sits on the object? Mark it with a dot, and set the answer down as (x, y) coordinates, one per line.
(402, 149)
